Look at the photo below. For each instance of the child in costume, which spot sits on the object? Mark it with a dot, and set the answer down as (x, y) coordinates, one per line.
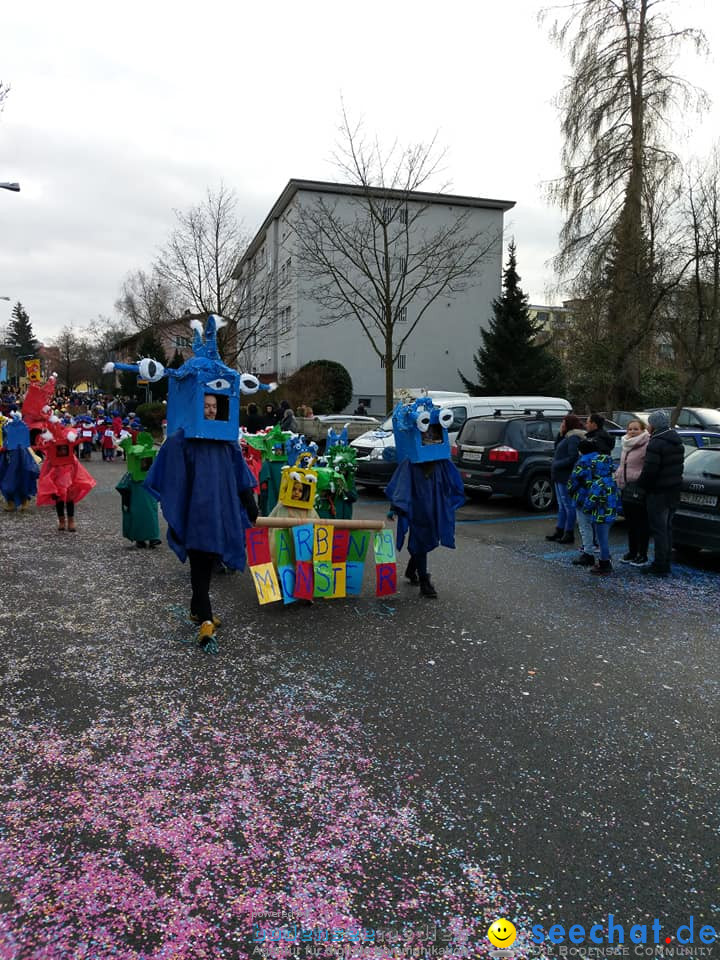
(18, 466)
(107, 443)
(199, 476)
(336, 491)
(139, 508)
(64, 481)
(426, 488)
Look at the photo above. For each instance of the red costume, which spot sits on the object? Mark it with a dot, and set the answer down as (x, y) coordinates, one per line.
(62, 476)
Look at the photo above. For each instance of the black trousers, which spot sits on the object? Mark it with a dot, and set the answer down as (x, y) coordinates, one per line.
(661, 510)
(638, 528)
(201, 568)
(60, 508)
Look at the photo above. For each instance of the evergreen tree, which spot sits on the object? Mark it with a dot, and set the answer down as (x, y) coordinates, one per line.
(510, 361)
(20, 332)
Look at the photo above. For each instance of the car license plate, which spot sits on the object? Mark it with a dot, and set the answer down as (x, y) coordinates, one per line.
(701, 499)
(472, 456)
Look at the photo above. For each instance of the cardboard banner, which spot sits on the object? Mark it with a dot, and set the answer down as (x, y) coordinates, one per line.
(318, 560)
(32, 370)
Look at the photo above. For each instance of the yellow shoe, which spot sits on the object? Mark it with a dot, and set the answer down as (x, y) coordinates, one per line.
(24, 505)
(206, 637)
(216, 621)
(9, 507)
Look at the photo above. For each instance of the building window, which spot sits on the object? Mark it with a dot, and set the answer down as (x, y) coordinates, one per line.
(387, 213)
(399, 362)
(402, 262)
(285, 271)
(181, 342)
(404, 216)
(402, 315)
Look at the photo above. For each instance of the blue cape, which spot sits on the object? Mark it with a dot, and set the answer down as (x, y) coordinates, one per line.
(425, 501)
(18, 475)
(198, 484)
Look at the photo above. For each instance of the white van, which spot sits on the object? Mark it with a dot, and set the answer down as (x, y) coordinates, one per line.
(374, 467)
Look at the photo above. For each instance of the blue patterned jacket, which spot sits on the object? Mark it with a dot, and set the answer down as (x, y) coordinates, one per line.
(593, 487)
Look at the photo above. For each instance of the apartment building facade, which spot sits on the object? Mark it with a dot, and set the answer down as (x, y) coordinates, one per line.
(448, 334)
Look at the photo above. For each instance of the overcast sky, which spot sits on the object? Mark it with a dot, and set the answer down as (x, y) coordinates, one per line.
(121, 113)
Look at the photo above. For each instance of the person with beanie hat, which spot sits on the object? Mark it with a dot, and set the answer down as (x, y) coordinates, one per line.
(661, 478)
(564, 459)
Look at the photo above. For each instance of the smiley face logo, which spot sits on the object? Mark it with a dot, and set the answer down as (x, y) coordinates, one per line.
(501, 933)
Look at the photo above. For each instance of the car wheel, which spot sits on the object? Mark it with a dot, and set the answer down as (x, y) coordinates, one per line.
(539, 495)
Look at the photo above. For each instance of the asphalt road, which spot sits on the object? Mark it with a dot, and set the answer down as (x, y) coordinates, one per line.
(537, 743)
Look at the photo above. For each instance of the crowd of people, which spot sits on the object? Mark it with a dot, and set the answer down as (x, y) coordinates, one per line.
(592, 492)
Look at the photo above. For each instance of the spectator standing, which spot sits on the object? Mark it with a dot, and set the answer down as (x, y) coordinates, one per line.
(632, 459)
(598, 435)
(254, 420)
(598, 503)
(566, 454)
(661, 478)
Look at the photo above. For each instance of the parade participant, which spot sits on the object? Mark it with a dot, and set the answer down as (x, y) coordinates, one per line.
(336, 491)
(37, 406)
(426, 488)
(199, 476)
(139, 508)
(18, 467)
(64, 481)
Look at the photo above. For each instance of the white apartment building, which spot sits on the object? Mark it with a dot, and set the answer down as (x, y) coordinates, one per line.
(447, 335)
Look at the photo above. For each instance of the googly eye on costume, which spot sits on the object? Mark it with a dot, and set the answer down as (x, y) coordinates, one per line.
(445, 418)
(423, 421)
(249, 383)
(218, 384)
(151, 370)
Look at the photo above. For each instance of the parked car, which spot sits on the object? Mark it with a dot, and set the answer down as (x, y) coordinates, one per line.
(376, 448)
(694, 418)
(509, 454)
(692, 440)
(621, 418)
(696, 524)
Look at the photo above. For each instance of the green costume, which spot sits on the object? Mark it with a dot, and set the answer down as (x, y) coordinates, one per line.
(139, 508)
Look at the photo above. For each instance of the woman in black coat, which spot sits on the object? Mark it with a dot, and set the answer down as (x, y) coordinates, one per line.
(566, 454)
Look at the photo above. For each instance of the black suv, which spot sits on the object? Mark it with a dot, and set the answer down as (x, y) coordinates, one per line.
(508, 454)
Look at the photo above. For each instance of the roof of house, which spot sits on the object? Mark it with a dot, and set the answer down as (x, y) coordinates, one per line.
(354, 190)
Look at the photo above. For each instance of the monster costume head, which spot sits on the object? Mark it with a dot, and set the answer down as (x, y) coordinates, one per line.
(16, 433)
(36, 405)
(140, 455)
(204, 394)
(298, 451)
(270, 444)
(421, 431)
(337, 439)
(298, 486)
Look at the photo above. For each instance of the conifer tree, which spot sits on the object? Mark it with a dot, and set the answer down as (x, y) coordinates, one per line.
(20, 332)
(510, 360)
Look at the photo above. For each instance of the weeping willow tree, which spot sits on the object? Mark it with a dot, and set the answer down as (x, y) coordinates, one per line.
(616, 106)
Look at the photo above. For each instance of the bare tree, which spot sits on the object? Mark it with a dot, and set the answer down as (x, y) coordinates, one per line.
(377, 255)
(146, 300)
(695, 320)
(615, 107)
(197, 267)
(71, 350)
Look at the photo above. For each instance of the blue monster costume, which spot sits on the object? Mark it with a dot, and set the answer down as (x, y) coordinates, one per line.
(199, 475)
(426, 488)
(18, 469)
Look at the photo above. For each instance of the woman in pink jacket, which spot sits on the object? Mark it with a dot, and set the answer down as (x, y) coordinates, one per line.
(632, 458)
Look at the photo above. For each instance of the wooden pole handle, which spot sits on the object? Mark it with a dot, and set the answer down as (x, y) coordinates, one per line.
(299, 522)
